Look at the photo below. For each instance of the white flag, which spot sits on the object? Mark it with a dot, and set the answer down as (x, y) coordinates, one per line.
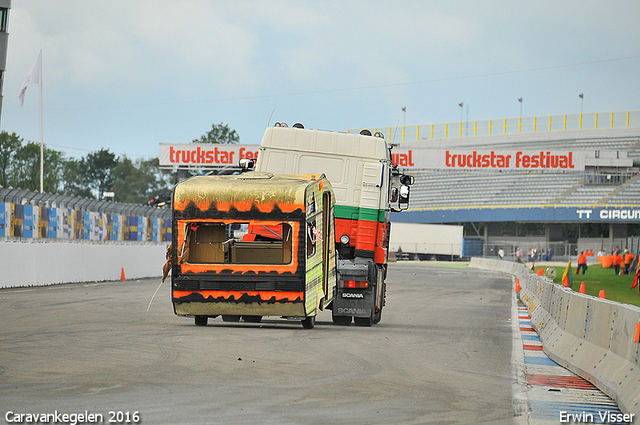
(33, 77)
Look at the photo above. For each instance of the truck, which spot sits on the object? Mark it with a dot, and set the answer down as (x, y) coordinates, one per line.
(305, 229)
(426, 241)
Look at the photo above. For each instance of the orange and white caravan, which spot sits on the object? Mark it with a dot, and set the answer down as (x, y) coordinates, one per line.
(252, 245)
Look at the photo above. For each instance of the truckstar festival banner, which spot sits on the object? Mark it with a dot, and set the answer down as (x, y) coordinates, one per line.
(205, 155)
(468, 159)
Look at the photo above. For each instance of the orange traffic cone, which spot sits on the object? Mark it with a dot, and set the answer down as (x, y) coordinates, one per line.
(565, 283)
(637, 337)
(602, 294)
(517, 289)
(122, 278)
(582, 291)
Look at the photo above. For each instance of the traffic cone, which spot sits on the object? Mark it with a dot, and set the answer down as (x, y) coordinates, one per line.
(602, 294)
(582, 291)
(122, 278)
(517, 289)
(565, 283)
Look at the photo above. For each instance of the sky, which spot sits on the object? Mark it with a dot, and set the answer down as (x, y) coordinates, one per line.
(129, 75)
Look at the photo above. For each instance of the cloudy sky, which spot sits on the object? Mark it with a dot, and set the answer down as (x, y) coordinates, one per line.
(128, 75)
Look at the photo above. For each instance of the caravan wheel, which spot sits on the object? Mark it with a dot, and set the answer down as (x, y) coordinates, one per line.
(230, 318)
(309, 322)
(201, 320)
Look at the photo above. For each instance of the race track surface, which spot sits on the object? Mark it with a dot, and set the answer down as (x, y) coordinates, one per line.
(440, 355)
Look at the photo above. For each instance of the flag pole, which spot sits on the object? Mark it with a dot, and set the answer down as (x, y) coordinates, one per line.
(41, 130)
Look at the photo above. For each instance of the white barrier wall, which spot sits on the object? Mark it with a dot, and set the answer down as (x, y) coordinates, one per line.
(590, 336)
(43, 263)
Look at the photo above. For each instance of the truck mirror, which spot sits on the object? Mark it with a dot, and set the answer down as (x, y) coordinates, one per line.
(247, 164)
(403, 201)
(407, 180)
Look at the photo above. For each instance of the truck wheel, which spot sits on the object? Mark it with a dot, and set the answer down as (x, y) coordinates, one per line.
(309, 322)
(341, 320)
(230, 318)
(377, 317)
(363, 321)
(201, 320)
(252, 319)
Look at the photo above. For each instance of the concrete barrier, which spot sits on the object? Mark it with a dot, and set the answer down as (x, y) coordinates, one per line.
(43, 263)
(590, 336)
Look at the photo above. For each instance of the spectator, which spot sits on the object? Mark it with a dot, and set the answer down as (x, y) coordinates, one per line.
(582, 263)
(532, 254)
(628, 259)
(519, 256)
(601, 253)
(617, 261)
(501, 254)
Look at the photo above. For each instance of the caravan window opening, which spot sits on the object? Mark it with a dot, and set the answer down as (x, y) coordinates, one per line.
(237, 242)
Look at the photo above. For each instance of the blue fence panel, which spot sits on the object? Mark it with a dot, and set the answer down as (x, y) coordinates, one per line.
(3, 225)
(141, 233)
(169, 233)
(27, 223)
(53, 223)
(86, 234)
(156, 229)
(133, 228)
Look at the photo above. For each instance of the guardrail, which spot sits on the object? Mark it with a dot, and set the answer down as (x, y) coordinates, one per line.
(537, 124)
(32, 215)
(595, 338)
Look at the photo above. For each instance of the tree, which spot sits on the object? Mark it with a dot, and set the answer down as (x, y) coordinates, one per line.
(74, 178)
(99, 170)
(9, 145)
(162, 179)
(219, 134)
(138, 182)
(26, 168)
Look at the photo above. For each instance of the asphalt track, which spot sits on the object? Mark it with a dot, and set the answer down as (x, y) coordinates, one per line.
(441, 355)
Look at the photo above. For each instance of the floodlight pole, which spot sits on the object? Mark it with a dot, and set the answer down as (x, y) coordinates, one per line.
(41, 129)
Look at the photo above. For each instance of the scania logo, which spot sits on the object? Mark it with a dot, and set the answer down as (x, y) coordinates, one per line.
(350, 295)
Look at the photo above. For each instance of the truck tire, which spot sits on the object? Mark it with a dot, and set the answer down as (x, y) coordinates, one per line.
(309, 322)
(230, 317)
(201, 320)
(378, 316)
(363, 321)
(252, 319)
(341, 320)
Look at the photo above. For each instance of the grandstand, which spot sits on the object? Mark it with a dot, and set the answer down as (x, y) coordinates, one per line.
(609, 180)
(597, 185)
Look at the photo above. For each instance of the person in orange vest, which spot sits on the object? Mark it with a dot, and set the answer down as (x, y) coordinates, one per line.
(582, 263)
(617, 261)
(628, 259)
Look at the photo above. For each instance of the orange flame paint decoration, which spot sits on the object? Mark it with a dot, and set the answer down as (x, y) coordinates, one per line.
(265, 296)
(264, 207)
